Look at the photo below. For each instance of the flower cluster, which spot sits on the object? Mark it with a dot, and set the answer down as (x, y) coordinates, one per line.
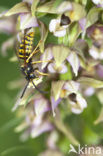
(70, 56)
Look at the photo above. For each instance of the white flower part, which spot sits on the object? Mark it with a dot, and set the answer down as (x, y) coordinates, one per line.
(52, 68)
(81, 101)
(6, 45)
(58, 31)
(47, 55)
(44, 127)
(74, 62)
(101, 55)
(27, 21)
(89, 91)
(78, 107)
(96, 53)
(40, 105)
(98, 2)
(28, 1)
(71, 87)
(37, 120)
(52, 140)
(53, 23)
(7, 25)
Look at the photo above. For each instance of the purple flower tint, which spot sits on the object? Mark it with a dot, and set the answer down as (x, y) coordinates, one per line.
(47, 55)
(7, 45)
(71, 86)
(62, 69)
(7, 25)
(38, 130)
(54, 104)
(91, 29)
(41, 105)
(28, 1)
(99, 3)
(27, 21)
(99, 70)
(89, 91)
(52, 140)
(74, 62)
(82, 23)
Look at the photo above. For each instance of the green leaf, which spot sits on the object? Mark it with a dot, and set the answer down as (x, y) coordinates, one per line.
(33, 7)
(74, 32)
(44, 34)
(100, 117)
(64, 129)
(47, 8)
(56, 88)
(57, 3)
(93, 16)
(10, 124)
(60, 53)
(91, 82)
(15, 149)
(78, 12)
(67, 75)
(18, 8)
(90, 115)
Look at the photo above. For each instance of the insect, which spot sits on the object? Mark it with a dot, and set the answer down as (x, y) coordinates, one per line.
(25, 54)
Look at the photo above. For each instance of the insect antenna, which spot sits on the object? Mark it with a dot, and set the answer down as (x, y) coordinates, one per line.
(42, 92)
(24, 90)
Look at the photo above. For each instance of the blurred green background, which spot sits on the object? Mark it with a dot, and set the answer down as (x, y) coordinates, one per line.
(10, 144)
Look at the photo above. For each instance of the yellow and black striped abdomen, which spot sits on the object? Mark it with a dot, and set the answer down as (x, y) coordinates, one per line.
(26, 44)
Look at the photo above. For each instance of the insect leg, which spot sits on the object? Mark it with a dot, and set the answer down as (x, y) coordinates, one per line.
(34, 51)
(24, 90)
(41, 73)
(42, 92)
(35, 62)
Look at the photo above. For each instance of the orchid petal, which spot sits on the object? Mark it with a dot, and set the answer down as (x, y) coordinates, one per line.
(41, 105)
(74, 61)
(54, 104)
(56, 88)
(44, 127)
(21, 7)
(44, 34)
(27, 21)
(47, 55)
(91, 82)
(60, 53)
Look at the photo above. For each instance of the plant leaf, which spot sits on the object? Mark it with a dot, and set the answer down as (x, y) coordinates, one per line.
(74, 61)
(64, 129)
(100, 117)
(47, 8)
(60, 53)
(33, 7)
(56, 88)
(44, 34)
(91, 82)
(18, 8)
(93, 16)
(74, 32)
